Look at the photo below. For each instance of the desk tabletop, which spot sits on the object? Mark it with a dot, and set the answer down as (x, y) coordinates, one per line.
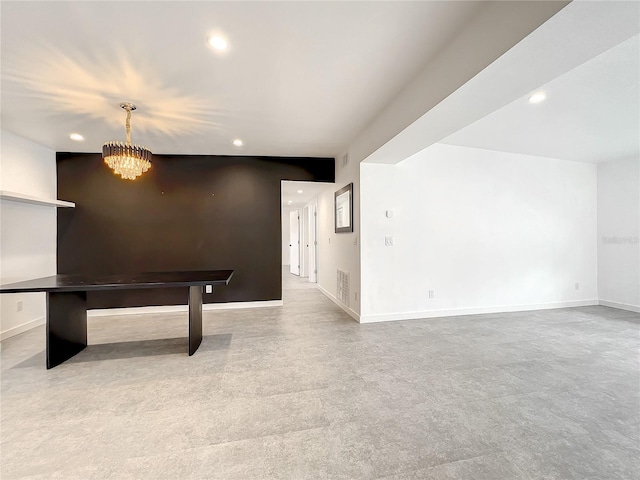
(76, 282)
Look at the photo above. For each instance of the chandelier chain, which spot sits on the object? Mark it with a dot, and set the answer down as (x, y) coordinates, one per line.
(128, 109)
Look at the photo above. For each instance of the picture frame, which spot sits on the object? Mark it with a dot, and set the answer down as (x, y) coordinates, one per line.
(344, 209)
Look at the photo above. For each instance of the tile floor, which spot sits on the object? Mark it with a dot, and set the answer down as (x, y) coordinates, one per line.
(304, 392)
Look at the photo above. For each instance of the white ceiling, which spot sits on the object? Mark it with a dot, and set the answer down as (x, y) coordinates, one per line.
(591, 114)
(310, 190)
(583, 114)
(299, 79)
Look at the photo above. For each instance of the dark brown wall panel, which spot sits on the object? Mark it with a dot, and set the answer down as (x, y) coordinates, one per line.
(189, 212)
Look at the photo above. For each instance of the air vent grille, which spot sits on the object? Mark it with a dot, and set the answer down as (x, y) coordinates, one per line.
(343, 287)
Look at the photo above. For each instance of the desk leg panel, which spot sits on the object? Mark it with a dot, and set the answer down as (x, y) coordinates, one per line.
(195, 318)
(66, 326)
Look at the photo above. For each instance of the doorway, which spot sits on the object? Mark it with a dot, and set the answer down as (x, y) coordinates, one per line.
(300, 228)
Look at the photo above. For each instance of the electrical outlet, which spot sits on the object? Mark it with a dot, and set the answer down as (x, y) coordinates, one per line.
(208, 289)
(577, 286)
(388, 241)
(431, 294)
(19, 306)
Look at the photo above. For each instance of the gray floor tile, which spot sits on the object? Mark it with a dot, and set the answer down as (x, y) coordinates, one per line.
(302, 391)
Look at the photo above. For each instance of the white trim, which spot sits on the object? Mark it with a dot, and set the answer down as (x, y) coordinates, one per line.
(12, 332)
(21, 197)
(234, 305)
(621, 306)
(348, 310)
(387, 317)
(106, 312)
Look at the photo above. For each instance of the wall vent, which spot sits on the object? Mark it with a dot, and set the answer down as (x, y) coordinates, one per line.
(345, 160)
(342, 290)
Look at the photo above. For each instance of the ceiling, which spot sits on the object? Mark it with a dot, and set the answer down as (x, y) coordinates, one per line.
(299, 78)
(310, 190)
(574, 36)
(591, 114)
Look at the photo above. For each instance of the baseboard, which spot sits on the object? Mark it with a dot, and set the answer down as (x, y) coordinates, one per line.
(234, 305)
(388, 317)
(347, 310)
(12, 332)
(106, 312)
(621, 306)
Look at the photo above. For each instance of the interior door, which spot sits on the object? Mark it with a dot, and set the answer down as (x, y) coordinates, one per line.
(304, 243)
(313, 243)
(294, 242)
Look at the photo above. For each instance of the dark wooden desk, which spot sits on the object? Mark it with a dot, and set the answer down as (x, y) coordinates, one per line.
(66, 329)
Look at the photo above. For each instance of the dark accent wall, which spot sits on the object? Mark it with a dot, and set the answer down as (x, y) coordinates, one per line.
(188, 212)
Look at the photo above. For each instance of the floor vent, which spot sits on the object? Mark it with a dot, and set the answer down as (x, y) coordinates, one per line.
(343, 287)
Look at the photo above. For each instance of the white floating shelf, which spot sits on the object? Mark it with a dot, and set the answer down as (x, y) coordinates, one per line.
(21, 197)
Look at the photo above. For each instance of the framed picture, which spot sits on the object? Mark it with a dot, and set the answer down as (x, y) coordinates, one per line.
(344, 209)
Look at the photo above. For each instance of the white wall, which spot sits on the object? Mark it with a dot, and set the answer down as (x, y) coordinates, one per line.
(618, 233)
(27, 232)
(340, 250)
(486, 231)
(437, 80)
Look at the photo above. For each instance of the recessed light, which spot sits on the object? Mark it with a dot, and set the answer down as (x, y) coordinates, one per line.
(76, 137)
(237, 142)
(537, 97)
(299, 191)
(218, 43)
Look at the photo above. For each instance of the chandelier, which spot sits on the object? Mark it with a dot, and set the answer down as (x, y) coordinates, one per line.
(128, 161)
